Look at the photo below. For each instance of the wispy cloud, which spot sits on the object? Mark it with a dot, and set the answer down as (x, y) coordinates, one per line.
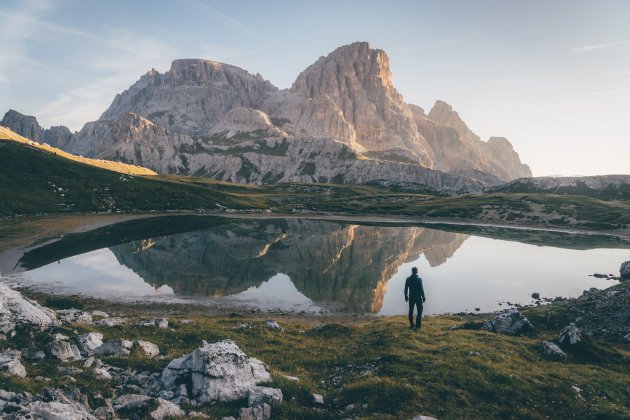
(594, 47)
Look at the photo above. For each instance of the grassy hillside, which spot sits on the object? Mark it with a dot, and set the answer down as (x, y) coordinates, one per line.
(34, 181)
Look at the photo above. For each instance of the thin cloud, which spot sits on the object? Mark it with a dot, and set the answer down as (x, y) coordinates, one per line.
(588, 48)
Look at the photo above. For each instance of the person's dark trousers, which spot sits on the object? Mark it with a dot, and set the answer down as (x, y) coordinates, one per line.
(418, 305)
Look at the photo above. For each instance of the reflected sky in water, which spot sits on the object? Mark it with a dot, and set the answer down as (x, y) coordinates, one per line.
(318, 266)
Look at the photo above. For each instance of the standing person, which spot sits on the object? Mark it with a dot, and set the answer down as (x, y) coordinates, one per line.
(415, 297)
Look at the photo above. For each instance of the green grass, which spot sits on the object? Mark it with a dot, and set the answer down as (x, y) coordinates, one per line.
(381, 368)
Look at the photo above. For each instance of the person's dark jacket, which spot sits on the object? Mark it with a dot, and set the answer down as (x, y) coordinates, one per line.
(413, 285)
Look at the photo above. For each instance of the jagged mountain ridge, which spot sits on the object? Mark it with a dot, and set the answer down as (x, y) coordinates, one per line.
(216, 120)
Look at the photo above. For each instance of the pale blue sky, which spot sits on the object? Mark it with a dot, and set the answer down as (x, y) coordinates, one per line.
(551, 76)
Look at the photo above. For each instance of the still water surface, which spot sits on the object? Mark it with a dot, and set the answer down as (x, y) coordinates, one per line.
(314, 266)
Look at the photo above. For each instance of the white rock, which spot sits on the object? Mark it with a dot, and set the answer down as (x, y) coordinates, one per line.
(511, 322)
(88, 342)
(260, 412)
(68, 316)
(109, 322)
(219, 372)
(60, 337)
(570, 335)
(551, 350)
(155, 322)
(103, 374)
(115, 348)
(17, 312)
(63, 350)
(420, 417)
(166, 409)
(149, 349)
(10, 363)
(273, 325)
(318, 399)
(56, 410)
(263, 394)
(100, 314)
(292, 378)
(88, 362)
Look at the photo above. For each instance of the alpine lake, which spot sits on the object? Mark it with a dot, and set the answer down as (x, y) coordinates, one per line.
(319, 266)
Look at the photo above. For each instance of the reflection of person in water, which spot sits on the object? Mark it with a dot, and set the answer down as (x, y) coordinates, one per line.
(415, 297)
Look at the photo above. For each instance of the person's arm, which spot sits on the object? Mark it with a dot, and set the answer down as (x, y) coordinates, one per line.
(406, 289)
(422, 291)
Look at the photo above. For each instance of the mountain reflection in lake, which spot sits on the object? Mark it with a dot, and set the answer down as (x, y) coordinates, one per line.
(309, 265)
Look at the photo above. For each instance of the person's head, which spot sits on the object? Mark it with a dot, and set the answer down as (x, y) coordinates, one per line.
(414, 270)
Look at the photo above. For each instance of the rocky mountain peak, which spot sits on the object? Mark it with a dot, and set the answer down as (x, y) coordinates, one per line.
(443, 114)
(24, 125)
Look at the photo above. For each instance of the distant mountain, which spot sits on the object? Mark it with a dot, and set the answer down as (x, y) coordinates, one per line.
(342, 121)
(605, 187)
(27, 126)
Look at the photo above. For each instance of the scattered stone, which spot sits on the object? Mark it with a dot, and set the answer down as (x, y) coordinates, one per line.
(320, 326)
(511, 322)
(273, 325)
(32, 355)
(420, 417)
(100, 314)
(68, 370)
(147, 348)
(624, 271)
(218, 372)
(115, 348)
(88, 362)
(134, 405)
(60, 337)
(10, 363)
(155, 322)
(570, 335)
(245, 326)
(552, 351)
(474, 353)
(292, 378)
(109, 322)
(53, 410)
(318, 399)
(536, 295)
(260, 412)
(17, 312)
(199, 415)
(68, 316)
(63, 350)
(262, 394)
(186, 321)
(103, 374)
(88, 342)
(165, 409)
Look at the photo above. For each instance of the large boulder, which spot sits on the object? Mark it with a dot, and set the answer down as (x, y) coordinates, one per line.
(146, 348)
(570, 335)
(511, 322)
(17, 312)
(63, 350)
(217, 372)
(10, 363)
(115, 348)
(89, 342)
(134, 405)
(552, 351)
(624, 271)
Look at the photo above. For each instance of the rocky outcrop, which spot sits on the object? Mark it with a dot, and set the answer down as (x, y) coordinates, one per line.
(216, 372)
(459, 151)
(511, 322)
(17, 312)
(570, 335)
(63, 350)
(624, 270)
(10, 363)
(552, 351)
(89, 342)
(24, 125)
(349, 95)
(192, 96)
(27, 126)
(599, 186)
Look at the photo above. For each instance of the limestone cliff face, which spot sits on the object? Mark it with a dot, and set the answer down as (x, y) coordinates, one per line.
(339, 266)
(458, 150)
(349, 95)
(27, 126)
(24, 125)
(192, 96)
